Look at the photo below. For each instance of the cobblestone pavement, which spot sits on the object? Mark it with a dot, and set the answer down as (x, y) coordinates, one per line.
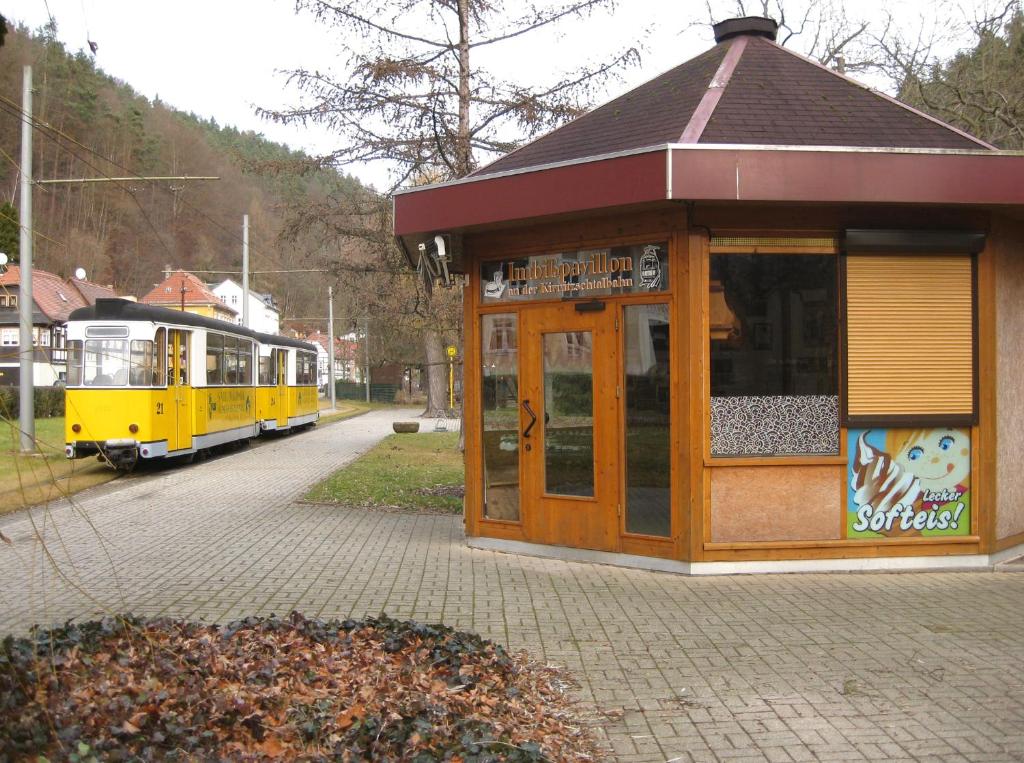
(778, 668)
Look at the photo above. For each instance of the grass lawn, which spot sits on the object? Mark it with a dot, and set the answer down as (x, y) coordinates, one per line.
(422, 472)
(26, 480)
(345, 409)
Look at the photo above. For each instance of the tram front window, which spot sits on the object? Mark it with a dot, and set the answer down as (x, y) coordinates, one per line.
(106, 363)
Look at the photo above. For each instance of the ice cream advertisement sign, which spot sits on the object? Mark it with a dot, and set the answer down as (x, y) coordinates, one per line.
(905, 483)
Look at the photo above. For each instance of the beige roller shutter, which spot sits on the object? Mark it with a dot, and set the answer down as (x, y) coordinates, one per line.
(909, 335)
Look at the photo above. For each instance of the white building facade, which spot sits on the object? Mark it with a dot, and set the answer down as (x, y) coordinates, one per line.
(263, 315)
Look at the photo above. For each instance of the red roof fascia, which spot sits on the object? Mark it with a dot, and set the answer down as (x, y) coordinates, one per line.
(616, 181)
(719, 173)
(773, 175)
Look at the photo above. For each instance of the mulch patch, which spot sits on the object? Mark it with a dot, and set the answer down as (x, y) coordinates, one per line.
(126, 688)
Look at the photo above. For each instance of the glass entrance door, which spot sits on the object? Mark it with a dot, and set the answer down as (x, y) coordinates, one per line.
(569, 426)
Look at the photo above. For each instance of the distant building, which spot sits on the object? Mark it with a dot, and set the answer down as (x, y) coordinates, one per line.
(183, 291)
(345, 366)
(53, 299)
(263, 313)
(92, 291)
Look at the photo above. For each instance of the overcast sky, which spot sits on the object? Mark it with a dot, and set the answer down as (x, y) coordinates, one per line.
(220, 58)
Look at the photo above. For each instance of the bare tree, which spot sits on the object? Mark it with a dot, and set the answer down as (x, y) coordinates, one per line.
(981, 88)
(825, 30)
(412, 95)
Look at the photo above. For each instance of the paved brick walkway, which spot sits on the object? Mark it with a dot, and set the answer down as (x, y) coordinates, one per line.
(777, 668)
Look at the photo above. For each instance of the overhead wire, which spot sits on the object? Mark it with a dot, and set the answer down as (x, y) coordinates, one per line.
(45, 128)
(233, 234)
(13, 108)
(42, 128)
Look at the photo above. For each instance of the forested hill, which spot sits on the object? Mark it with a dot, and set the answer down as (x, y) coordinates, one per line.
(125, 233)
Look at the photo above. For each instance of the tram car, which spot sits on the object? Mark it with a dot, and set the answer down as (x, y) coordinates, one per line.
(148, 382)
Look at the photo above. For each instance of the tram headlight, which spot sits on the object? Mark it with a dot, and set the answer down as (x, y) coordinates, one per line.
(133, 428)
(76, 428)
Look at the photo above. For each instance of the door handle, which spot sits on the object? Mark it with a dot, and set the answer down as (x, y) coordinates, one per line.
(533, 418)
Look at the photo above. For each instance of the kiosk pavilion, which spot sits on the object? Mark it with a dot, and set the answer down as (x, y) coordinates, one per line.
(749, 316)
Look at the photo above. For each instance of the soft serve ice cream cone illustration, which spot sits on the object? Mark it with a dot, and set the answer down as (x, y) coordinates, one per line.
(920, 470)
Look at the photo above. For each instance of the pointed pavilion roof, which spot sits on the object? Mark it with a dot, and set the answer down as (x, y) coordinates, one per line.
(746, 121)
(747, 90)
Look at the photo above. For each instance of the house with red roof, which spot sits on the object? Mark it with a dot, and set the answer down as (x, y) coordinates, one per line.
(92, 291)
(345, 352)
(53, 301)
(184, 291)
(750, 316)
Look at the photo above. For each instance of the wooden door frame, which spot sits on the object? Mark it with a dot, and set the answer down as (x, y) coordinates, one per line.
(557, 519)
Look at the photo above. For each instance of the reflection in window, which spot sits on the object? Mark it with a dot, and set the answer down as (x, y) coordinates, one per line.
(568, 413)
(647, 396)
(268, 369)
(774, 340)
(500, 397)
(106, 362)
(75, 362)
(214, 358)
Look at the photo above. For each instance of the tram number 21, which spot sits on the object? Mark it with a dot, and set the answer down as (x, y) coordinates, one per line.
(159, 409)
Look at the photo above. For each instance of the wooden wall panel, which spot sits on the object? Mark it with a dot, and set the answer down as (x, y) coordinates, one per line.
(776, 503)
(1007, 245)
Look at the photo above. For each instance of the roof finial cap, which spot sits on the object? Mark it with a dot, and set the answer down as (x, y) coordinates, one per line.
(757, 26)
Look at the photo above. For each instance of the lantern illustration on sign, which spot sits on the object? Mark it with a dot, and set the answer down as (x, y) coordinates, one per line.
(650, 268)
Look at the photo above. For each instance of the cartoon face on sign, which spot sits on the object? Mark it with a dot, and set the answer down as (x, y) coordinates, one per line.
(905, 482)
(939, 458)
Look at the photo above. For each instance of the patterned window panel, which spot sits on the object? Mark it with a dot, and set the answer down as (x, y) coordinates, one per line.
(778, 425)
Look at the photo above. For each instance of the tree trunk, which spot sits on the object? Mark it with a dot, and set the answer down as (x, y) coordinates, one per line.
(463, 150)
(437, 372)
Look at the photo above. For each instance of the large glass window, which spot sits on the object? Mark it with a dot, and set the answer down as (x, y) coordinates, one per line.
(647, 397)
(244, 361)
(143, 364)
(569, 413)
(75, 363)
(106, 362)
(774, 348)
(268, 368)
(214, 358)
(500, 394)
(305, 368)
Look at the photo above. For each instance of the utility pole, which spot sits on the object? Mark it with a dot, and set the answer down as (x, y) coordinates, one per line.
(245, 270)
(366, 351)
(26, 390)
(330, 342)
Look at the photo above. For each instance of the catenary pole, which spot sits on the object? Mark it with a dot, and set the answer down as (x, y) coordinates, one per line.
(26, 413)
(366, 352)
(245, 270)
(330, 345)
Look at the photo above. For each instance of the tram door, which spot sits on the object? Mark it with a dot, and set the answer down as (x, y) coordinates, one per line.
(282, 388)
(179, 383)
(569, 426)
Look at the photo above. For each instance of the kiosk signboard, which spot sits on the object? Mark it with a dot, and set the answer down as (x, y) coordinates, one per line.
(581, 274)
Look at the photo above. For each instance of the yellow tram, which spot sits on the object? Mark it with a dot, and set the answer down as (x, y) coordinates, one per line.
(148, 382)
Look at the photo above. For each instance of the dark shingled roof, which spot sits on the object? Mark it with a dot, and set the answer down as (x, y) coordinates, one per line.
(774, 97)
(653, 114)
(777, 98)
